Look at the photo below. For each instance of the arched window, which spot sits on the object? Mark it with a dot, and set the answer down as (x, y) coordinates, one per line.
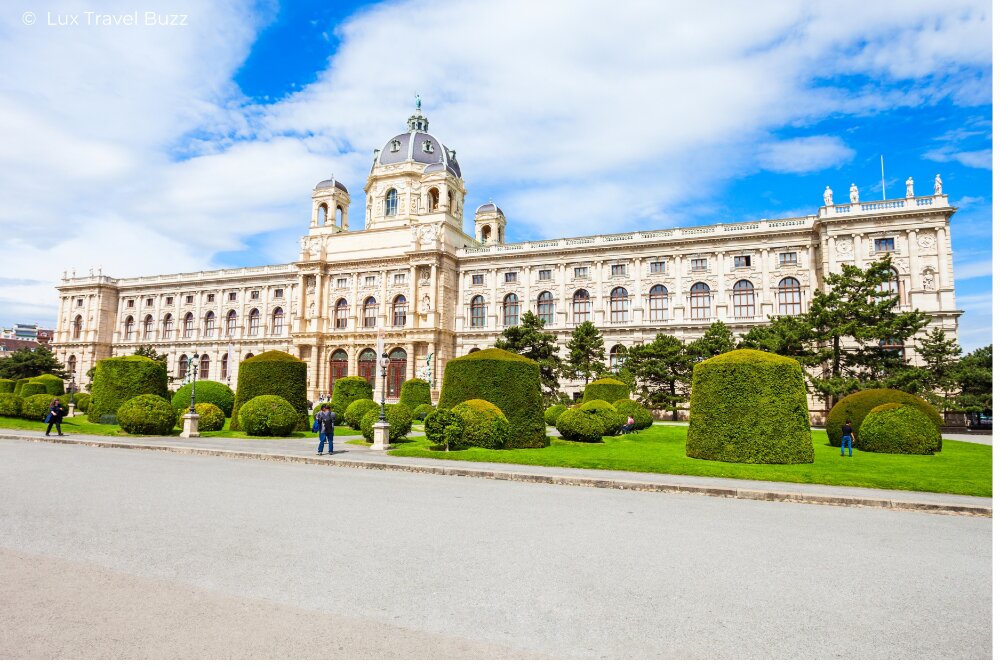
(789, 297)
(396, 372)
(225, 367)
(617, 356)
(278, 322)
(390, 202)
(366, 365)
(255, 322)
(890, 286)
(546, 307)
(77, 327)
(485, 235)
(743, 305)
(204, 367)
(182, 365)
(189, 325)
(658, 303)
(129, 327)
(147, 328)
(168, 327)
(433, 197)
(210, 325)
(339, 216)
(71, 365)
(701, 301)
(248, 356)
(321, 215)
(581, 306)
(338, 366)
(369, 313)
(474, 350)
(619, 305)
(511, 310)
(231, 323)
(399, 311)
(477, 312)
(340, 314)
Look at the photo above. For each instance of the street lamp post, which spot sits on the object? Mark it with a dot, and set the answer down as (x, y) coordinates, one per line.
(380, 429)
(384, 364)
(190, 428)
(72, 397)
(193, 379)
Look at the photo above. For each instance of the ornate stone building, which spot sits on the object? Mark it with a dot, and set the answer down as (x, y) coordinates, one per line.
(435, 290)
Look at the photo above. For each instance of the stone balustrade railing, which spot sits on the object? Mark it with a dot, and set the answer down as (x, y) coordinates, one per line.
(196, 276)
(889, 205)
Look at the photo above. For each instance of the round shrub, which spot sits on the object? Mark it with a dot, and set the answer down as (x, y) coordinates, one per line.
(82, 401)
(273, 373)
(147, 415)
(643, 419)
(509, 381)
(33, 388)
(444, 427)
(749, 406)
(605, 411)
(10, 405)
(121, 378)
(400, 419)
(357, 410)
(19, 384)
(268, 415)
(215, 393)
(553, 412)
(53, 384)
(898, 428)
(7, 385)
(579, 426)
(210, 417)
(857, 405)
(348, 389)
(35, 407)
(420, 412)
(484, 425)
(606, 389)
(415, 392)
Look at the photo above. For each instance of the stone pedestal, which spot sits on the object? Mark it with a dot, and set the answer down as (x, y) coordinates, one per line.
(190, 425)
(72, 410)
(381, 442)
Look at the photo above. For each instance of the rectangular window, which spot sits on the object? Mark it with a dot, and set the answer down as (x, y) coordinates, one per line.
(232, 296)
(580, 272)
(341, 283)
(545, 275)
(477, 279)
(369, 280)
(211, 298)
(399, 278)
(699, 264)
(741, 261)
(170, 300)
(254, 295)
(279, 293)
(149, 302)
(188, 300)
(618, 269)
(510, 277)
(79, 302)
(130, 303)
(657, 266)
(787, 258)
(885, 245)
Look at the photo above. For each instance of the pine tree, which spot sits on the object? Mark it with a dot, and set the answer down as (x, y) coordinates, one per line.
(662, 370)
(718, 339)
(530, 339)
(586, 353)
(25, 363)
(973, 375)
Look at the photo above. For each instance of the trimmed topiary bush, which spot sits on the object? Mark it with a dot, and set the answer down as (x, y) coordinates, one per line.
(420, 412)
(400, 419)
(553, 412)
(82, 401)
(33, 388)
(10, 405)
(19, 384)
(210, 417)
(484, 424)
(122, 378)
(579, 426)
(749, 406)
(348, 389)
(357, 410)
(415, 392)
(266, 415)
(7, 386)
(53, 385)
(444, 427)
(607, 389)
(147, 415)
(509, 381)
(605, 411)
(898, 428)
(273, 373)
(857, 405)
(626, 407)
(215, 393)
(35, 407)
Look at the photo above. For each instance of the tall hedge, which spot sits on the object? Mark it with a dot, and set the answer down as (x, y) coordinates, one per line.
(607, 389)
(897, 428)
(272, 373)
(348, 389)
(205, 390)
(857, 405)
(7, 385)
(749, 406)
(19, 384)
(510, 381)
(33, 388)
(121, 378)
(415, 392)
(53, 385)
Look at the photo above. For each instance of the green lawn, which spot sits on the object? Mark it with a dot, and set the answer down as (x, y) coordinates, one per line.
(79, 425)
(960, 468)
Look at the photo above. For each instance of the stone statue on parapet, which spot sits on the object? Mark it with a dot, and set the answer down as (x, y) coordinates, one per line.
(909, 187)
(828, 196)
(938, 185)
(854, 193)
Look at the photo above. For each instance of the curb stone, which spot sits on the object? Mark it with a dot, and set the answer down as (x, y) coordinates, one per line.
(950, 508)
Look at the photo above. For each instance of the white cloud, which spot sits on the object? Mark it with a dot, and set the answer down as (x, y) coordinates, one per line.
(976, 159)
(968, 270)
(805, 155)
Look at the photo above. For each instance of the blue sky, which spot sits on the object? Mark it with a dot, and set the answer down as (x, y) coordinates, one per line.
(197, 146)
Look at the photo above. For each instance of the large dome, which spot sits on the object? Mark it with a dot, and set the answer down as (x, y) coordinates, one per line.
(418, 145)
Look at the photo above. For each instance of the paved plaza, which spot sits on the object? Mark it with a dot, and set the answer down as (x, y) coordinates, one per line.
(119, 553)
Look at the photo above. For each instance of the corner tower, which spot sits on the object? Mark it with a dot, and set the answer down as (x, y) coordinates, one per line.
(490, 224)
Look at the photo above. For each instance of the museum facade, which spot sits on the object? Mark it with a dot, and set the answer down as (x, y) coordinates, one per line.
(436, 292)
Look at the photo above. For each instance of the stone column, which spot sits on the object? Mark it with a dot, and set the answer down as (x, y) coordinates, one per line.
(829, 264)
(638, 302)
(434, 317)
(857, 250)
(678, 295)
(314, 371)
(913, 251)
(766, 304)
(723, 287)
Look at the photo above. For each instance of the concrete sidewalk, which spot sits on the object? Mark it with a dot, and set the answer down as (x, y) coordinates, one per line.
(349, 455)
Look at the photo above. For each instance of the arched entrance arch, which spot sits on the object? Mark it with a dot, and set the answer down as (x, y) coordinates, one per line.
(367, 364)
(338, 366)
(397, 372)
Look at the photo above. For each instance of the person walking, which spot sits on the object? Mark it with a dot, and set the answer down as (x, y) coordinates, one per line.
(324, 423)
(54, 417)
(847, 438)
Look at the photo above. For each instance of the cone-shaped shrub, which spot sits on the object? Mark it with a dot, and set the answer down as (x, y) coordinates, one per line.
(121, 378)
(272, 373)
(857, 405)
(607, 389)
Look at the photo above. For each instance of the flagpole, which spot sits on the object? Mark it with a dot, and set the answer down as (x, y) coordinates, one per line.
(882, 160)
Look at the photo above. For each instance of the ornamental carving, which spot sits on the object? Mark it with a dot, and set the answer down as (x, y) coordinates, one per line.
(928, 281)
(927, 241)
(845, 248)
